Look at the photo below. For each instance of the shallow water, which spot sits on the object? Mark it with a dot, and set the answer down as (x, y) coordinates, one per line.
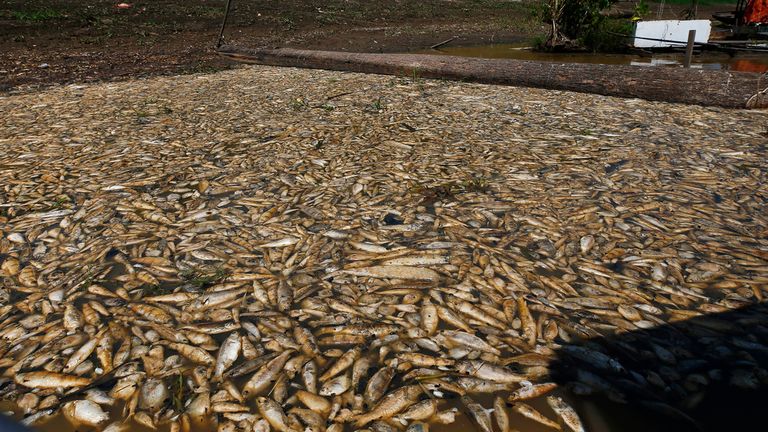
(598, 415)
(717, 61)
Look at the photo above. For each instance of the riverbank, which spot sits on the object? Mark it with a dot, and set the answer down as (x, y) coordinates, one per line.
(44, 42)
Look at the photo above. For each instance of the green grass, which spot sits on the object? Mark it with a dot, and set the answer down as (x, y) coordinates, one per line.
(299, 104)
(377, 105)
(36, 15)
(59, 202)
(204, 11)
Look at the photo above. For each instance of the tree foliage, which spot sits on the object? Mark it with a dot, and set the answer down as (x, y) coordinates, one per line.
(572, 20)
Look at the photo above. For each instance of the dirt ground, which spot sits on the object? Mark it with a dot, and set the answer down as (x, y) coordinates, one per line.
(45, 42)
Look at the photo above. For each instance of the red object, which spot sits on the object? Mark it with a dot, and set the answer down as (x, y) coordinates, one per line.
(123, 5)
(745, 65)
(756, 12)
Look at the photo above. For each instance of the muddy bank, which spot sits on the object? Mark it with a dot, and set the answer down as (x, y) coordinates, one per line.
(44, 42)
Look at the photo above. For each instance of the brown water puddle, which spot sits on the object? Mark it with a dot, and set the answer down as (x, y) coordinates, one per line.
(717, 61)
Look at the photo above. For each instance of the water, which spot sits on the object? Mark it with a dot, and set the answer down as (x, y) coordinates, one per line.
(747, 62)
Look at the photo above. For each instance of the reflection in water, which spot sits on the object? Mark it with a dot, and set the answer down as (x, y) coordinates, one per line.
(741, 62)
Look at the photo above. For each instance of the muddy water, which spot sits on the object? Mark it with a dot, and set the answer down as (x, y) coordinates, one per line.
(597, 414)
(717, 61)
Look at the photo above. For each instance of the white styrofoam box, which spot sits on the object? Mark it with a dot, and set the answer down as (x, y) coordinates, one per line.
(670, 30)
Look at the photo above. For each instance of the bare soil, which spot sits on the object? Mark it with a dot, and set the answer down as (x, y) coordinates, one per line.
(44, 42)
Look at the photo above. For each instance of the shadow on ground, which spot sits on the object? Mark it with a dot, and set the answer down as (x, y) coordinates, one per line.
(706, 373)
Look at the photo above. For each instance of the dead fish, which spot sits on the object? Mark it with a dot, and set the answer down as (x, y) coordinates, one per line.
(344, 362)
(314, 402)
(368, 247)
(287, 241)
(566, 413)
(531, 391)
(50, 380)
(336, 386)
(390, 285)
(500, 414)
(377, 385)
(274, 414)
(266, 375)
(529, 412)
(418, 427)
(429, 318)
(80, 355)
(84, 412)
(593, 358)
(309, 376)
(154, 394)
(488, 371)
(193, 353)
(199, 409)
(479, 414)
(390, 405)
(419, 411)
(470, 341)
(228, 353)
(395, 272)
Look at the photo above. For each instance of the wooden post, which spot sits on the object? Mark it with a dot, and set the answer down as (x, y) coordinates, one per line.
(689, 48)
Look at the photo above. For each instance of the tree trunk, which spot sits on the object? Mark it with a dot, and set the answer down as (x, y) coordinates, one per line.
(691, 86)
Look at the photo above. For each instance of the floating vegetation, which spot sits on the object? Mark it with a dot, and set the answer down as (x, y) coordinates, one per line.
(203, 278)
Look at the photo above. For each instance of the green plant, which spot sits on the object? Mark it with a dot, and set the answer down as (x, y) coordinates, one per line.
(60, 201)
(606, 35)
(641, 10)
(37, 15)
(415, 76)
(377, 105)
(475, 184)
(204, 277)
(329, 15)
(299, 104)
(539, 42)
(571, 20)
(447, 191)
(155, 290)
(180, 392)
(287, 23)
(89, 277)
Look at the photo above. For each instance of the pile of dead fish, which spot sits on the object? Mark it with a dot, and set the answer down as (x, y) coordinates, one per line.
(183, 268)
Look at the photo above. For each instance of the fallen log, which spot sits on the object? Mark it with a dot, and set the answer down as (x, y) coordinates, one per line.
(690, 86)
